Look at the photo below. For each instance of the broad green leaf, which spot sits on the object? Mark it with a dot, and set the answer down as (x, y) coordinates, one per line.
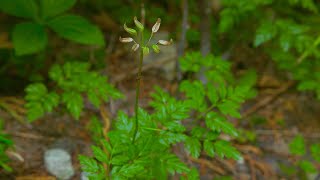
(227, 20)
(297, 146)
(219, 123)
(167, 138)
(106, 145)
(35, 91)
(50, 101)
(193, 147)
(123, 122)
(173, 164)
(52, 8)
(209, 148)
(34, 111)
(175, 126)
(285, 42)
(212, 94)
(29, 38)
(95, 128)
(88, 164)
(56, 73)
(264, 33)
(74, 103)
(224, 149)
(198, 132)
(94, 98)
(289, 170)
(119, 159)
(99, 154)
(77, 29)
(20, 8)
(315, 151)
(39, 101)
(131, 170)
(229, 107)
(307, 167)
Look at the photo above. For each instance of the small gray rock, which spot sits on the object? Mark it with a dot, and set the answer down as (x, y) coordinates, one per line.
(84, 176)
(58, 163)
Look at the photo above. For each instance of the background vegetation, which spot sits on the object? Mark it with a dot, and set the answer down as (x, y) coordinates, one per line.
(234, 95)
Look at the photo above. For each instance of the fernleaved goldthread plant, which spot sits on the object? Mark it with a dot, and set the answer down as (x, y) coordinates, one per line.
(144, 47)
(141, 147)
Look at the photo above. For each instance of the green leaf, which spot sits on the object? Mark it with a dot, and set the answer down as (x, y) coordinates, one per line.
(229, 107)
(95, 127)
(123, 122)
(288, 169)
(307, 167)
(106, 145)
(315, 152)
(264, 33)
(192, 175)
(285, 42)
(224, 149)
(193, 147)
(20, 8)
(198, 132)
(173, 164)
(88, 165)
(227, 20)
(94, 98)
(219, 123)
(119, 160)
(52, 8)
(208, 148)
(29, 38)
(34, 111)
(213, 94)
(39, 101)
(99, 154)
(297, 146)
(131, 170)
(175, 126)
(74, 103)
(167, 138)
(77, 29)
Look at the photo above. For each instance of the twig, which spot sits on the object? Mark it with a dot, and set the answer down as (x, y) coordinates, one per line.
(267, 100)
(267, 172)
(29, 136)
(105, 116)
(268, 132)
(209, 165)
(227, 165)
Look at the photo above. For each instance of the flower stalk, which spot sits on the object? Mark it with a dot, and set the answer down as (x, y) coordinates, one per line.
(139, 76)
(143, 50)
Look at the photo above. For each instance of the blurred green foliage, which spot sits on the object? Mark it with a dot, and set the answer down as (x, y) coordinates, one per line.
(72, 80)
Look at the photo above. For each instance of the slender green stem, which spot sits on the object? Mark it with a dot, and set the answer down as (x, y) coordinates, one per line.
(149, 39)
(151, 129)
(206, 112)
(136, 108)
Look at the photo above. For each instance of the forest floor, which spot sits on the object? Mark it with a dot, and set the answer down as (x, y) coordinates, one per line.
(275, 116)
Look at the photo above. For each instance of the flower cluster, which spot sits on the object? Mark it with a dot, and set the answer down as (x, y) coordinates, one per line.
(141, 44)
